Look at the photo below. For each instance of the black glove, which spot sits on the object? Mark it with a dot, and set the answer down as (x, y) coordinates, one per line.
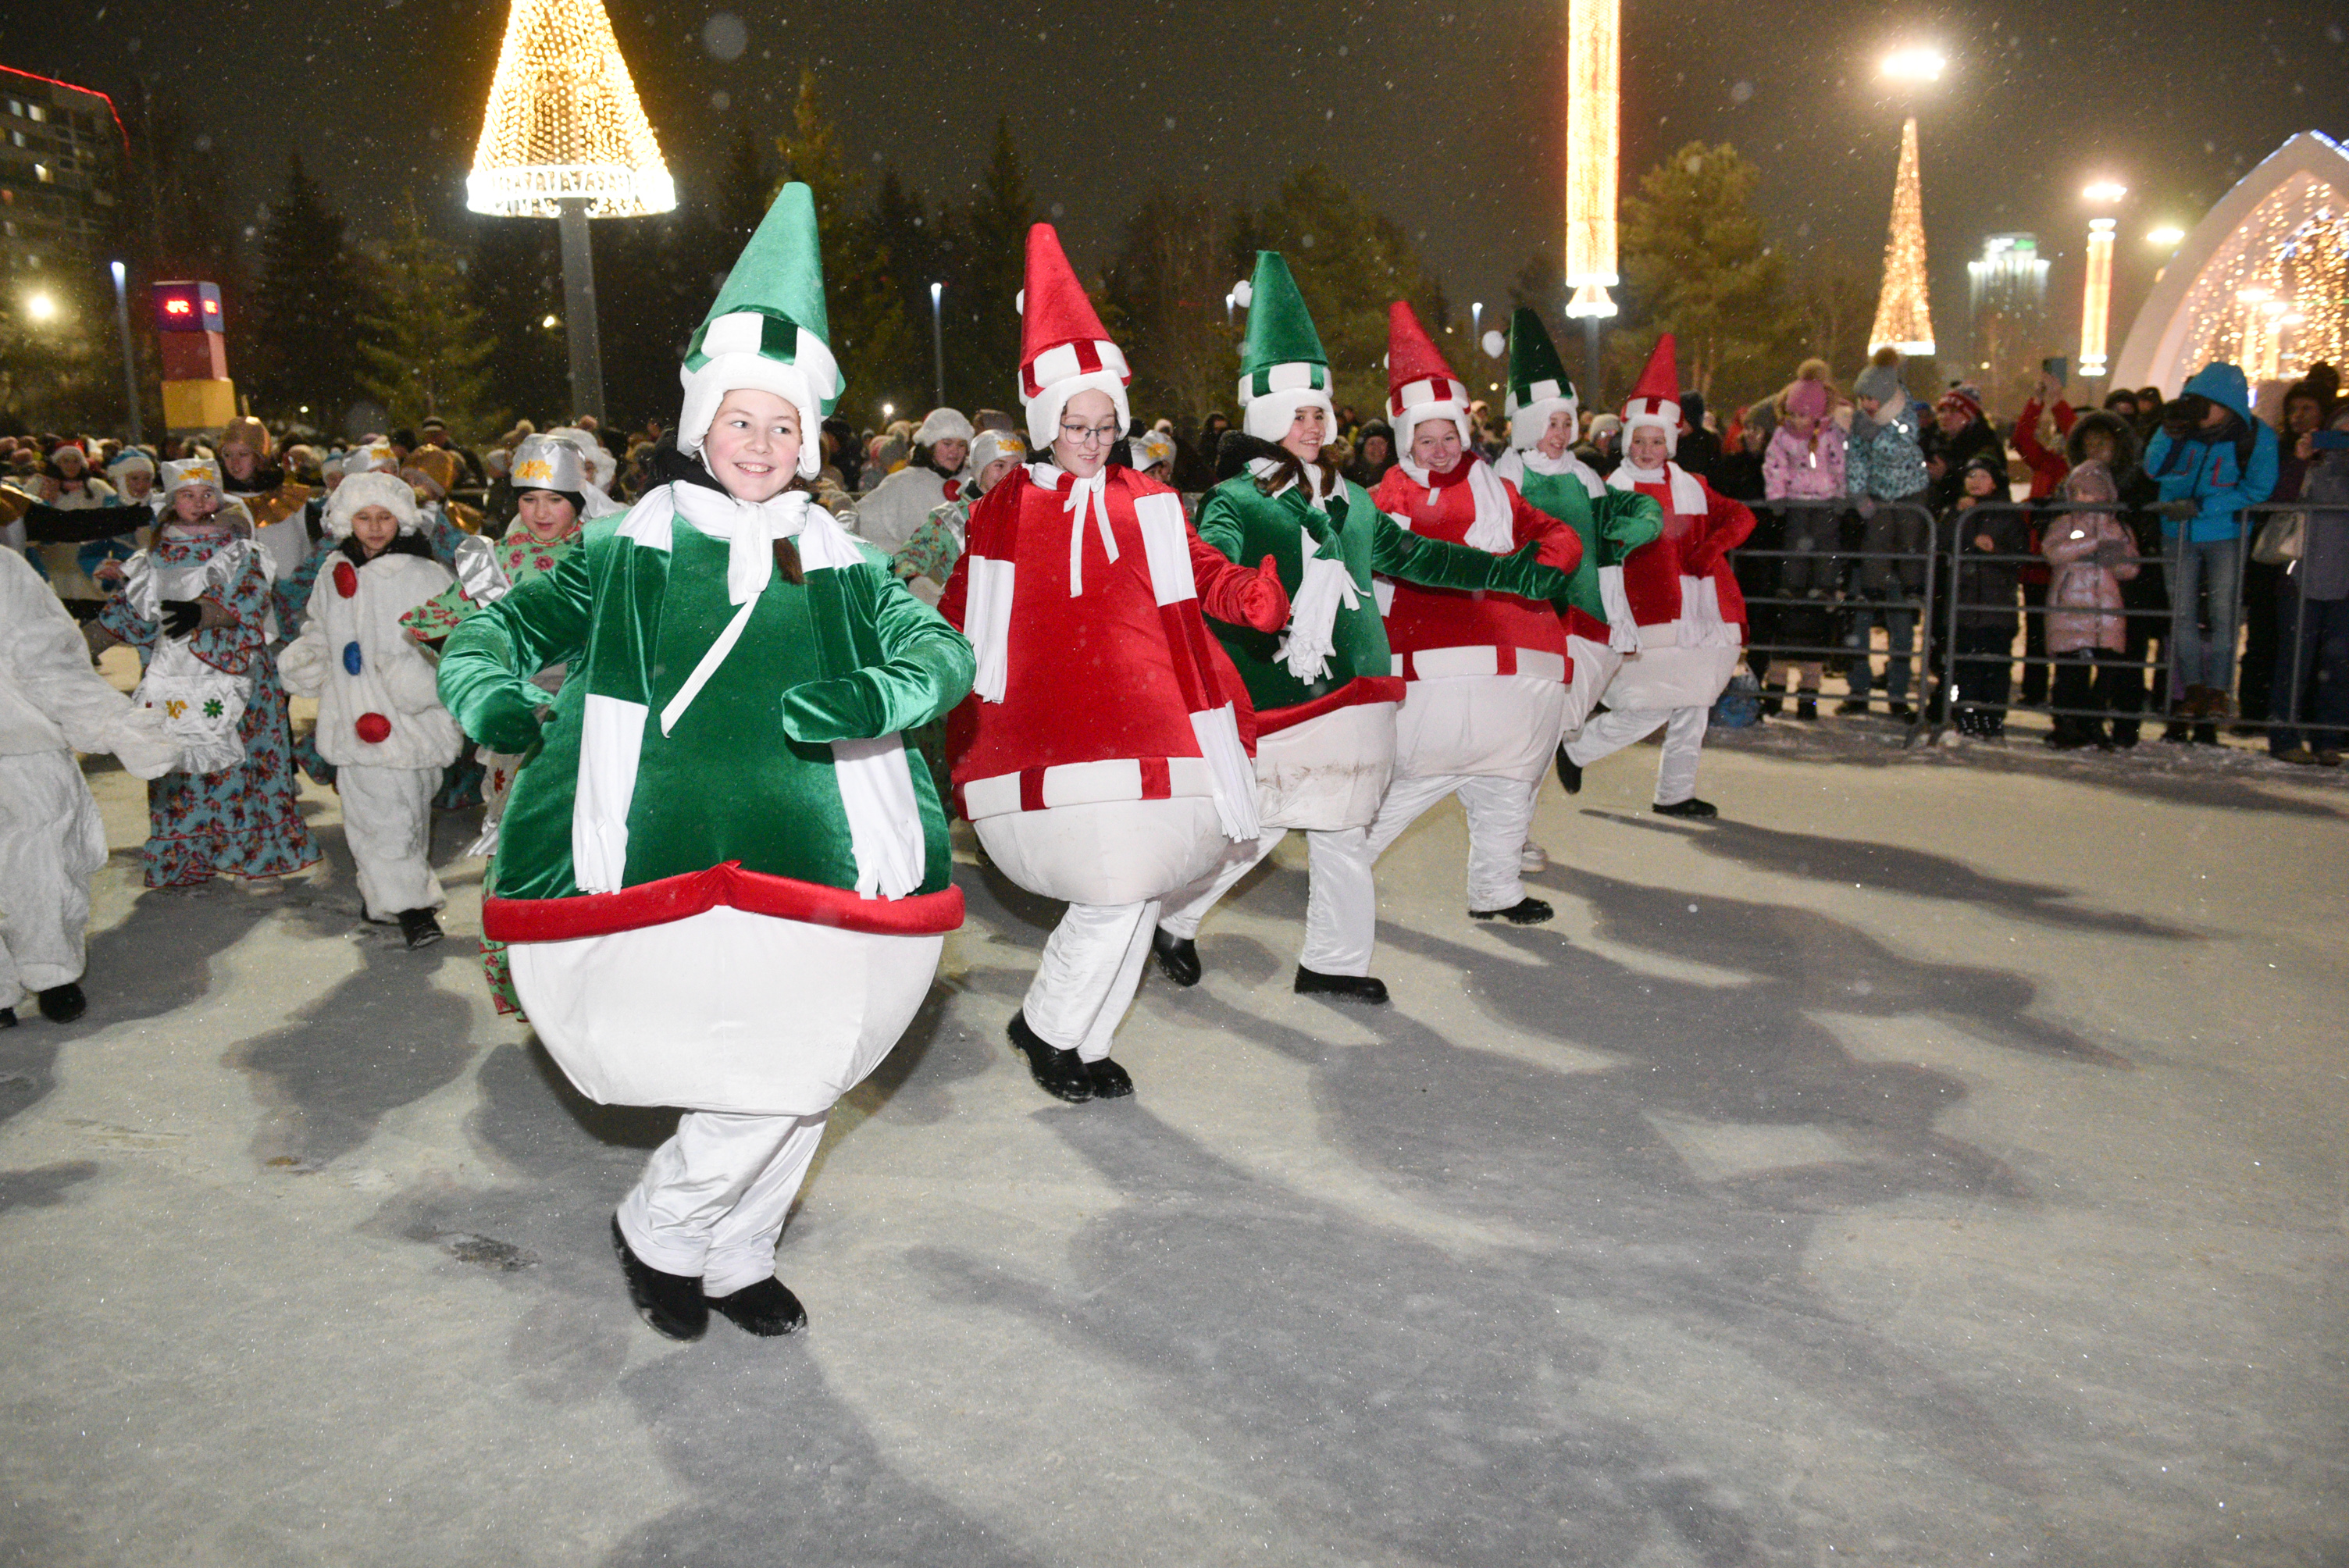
(182, 616)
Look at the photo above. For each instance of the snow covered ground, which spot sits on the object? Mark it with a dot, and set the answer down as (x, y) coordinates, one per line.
(1937, 1160)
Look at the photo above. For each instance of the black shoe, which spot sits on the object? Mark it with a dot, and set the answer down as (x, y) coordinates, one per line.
(1178, 957)
(63, 1003)
(2175, 734)
(1691, 807)
(1807, 709)
(1056, 1072)
(1774, 701)
(2065, 741)
(1340, 987)
(1903, 713)
(7, 1018)
(419, 928)
(2206, 735)
(672, 1304)
(768, 1309)
(1850, 707)
(1569, 773)
(1525, 912)
(1110, 1080)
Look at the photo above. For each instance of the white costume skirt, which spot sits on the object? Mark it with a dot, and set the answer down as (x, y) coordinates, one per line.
(1487, 726)
(1106, 852)
(1329, 772)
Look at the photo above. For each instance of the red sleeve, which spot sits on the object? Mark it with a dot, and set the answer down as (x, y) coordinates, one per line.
(1560, 546)
(1229, 592)
(985, 533)
(2065, 414)
(1727, 525)
(2026, 434)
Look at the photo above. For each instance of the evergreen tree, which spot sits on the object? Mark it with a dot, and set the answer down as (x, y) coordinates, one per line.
(1349, 263)
(304, 309)
(1696, 263)
(982, 308)
(1165, 293)
(515, 281)
(427, 348)
(871, 336)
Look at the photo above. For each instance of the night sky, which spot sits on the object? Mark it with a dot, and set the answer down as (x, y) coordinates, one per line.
(1448, 119)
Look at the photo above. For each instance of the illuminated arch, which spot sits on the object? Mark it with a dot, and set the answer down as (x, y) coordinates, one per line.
(2284, 229)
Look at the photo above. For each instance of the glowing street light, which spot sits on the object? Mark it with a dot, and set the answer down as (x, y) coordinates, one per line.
(1593, 124)
(41, 307)
(2169, 236)
(2105, 192)
(938, 344)
(1915, 64)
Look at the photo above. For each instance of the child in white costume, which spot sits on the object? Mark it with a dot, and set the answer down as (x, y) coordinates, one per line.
(380, 721)
(52, 704)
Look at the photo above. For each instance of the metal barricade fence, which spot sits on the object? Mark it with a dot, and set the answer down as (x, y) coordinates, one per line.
(2155, 622)
(1843, 565)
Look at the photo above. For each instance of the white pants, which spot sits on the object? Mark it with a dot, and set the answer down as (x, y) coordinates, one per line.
(1341, 898)
(52, 842)
(1499, 811)
(1091, 967)
(387, 822)
(1683, 739)
(713, 1199)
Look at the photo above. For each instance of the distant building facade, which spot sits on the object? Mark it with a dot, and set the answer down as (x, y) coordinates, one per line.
(2006, 312)
(61, 170)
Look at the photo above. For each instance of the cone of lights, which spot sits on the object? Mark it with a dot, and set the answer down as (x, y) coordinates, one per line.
(2097, 304)
(563, 123)
(1593, 67)
(1904, 316)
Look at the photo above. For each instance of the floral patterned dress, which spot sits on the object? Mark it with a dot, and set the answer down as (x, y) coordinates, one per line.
(241, 822)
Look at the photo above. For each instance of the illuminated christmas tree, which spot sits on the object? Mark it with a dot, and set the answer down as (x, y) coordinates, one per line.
(565, 138)
(1904, 315)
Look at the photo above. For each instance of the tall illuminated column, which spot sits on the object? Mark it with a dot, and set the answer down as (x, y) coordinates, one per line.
(565, 137)
(1904, 311)
(1593, 106)
(2096, 301)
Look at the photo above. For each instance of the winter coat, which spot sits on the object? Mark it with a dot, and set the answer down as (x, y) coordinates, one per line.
(1804, 468)
(2221, 470)
(2048, 466)
(1986, 588)
(50, 698)
(378, 701)
(2093, 553)
(1883, 460)
(2323, 571)
(1977, 440)
(901, 504)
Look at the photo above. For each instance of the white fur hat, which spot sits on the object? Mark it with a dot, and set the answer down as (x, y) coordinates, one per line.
(388, 491)
(943, 425)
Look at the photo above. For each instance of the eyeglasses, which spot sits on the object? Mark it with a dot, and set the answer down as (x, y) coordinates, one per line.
(1089, 435)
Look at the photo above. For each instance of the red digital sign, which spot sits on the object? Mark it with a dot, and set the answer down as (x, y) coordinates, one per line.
(188, 307)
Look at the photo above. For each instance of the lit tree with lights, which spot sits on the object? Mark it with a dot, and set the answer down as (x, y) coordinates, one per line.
(1904, 312)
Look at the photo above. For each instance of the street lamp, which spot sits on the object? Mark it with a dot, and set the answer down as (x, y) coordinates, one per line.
(40, 307)
(937, 346)
(122, 331)
(1919, 64)
(2169, 236)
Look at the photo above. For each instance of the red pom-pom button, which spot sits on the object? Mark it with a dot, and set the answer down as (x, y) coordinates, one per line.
(346, 580)
(373, 729)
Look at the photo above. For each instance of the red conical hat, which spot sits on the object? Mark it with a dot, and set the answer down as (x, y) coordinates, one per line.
(1063, 347)
(1656, 400)
(1419, 385)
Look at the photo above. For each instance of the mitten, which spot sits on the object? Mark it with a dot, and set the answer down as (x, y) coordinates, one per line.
(846, 709)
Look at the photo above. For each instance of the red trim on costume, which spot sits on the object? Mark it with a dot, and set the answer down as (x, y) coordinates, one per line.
(1358, 692)
(1581, 623)
(679, 897)
(1157, 779)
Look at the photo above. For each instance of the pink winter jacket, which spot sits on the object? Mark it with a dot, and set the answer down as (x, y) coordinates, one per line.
(2092, 555)
(1797, 468)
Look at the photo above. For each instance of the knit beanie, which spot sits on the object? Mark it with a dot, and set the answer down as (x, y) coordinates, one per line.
(1881, 379)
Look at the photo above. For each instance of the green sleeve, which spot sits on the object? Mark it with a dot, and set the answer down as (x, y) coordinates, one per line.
(924, 669)
(1220, 525)
(486, 667)
(1431, 562)
(1627, 520)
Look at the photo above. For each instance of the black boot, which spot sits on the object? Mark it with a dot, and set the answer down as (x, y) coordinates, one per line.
(63, 1003)
(1692, 808)
(1806, 710)
(1110, 1080)
(418, 927)
(2206, 735)
(1340, 987)
(1774, 701)
(1058, 1073)
(7, 1018)
(672, 1304)
(767, 1309)
(1569, 773)
(1178, 956)
(1525, 912)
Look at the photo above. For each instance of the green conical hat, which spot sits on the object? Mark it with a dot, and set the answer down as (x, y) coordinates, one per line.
(1281, 354)
(1536, 374)
(768, 328)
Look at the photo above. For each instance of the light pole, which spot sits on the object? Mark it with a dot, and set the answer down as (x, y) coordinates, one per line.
(122, 330)
(937, 346)
(2096, 291)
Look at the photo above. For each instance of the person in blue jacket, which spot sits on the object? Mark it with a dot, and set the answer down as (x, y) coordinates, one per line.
(2212, 459)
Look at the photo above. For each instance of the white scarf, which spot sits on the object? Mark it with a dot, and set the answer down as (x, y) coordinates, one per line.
(1096, 490)
(1702, 625)
(1494, 531)
(876, 787)
(1324, 587)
